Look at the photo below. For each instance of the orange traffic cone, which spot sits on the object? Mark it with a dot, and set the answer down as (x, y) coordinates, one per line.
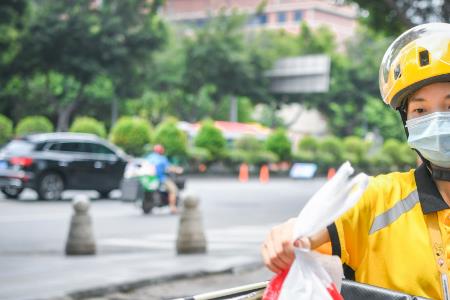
(331, 172)
(243, 173)
(264, 174)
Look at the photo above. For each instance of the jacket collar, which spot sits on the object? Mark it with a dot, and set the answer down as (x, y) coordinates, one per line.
(429, 196)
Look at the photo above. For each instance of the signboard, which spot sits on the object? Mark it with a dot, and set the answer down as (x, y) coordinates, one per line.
(302, 74)
(303, 171)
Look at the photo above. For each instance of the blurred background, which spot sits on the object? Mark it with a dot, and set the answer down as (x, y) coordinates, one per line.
(257, 101)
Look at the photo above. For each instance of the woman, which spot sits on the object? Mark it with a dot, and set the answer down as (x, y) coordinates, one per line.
(398, 234)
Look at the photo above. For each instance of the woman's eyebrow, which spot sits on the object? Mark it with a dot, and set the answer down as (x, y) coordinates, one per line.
(414, 99)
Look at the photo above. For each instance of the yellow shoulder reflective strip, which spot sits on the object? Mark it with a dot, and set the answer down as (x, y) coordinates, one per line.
(439, 251)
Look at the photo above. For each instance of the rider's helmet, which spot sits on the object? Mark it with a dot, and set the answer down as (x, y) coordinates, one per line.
(418, 57)
(158, 148)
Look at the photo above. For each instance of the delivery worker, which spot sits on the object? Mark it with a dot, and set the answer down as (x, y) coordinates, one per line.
(398, 234)
(162, 165)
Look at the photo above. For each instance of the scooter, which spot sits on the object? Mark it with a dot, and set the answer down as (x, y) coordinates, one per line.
(142, 186)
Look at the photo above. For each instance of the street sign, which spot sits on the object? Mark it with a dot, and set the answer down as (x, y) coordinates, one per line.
(301, 74)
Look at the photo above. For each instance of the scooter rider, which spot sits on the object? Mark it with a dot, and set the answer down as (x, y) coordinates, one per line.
(398, 234)
(162, 166)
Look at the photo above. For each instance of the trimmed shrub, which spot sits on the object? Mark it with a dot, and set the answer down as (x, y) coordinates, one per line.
(211, 138)
(33, 124)
(307, 150)
(330, 152)
(308, 143)
(198, 155)
(304, 156)
(264, 157)
(238, 156)
(6, 129)
(173, 139)
(279, 144)
(88, 125)
(132, 135)
(355, 151)
(393, 156)
(249, 143)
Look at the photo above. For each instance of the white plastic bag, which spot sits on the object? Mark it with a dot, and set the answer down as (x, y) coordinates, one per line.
(307, 278)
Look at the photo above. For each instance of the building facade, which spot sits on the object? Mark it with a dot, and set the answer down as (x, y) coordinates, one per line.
(276, 14)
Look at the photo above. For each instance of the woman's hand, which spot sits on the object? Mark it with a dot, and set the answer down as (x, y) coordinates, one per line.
(278, 248)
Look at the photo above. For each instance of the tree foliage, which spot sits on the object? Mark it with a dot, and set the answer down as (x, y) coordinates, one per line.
(217, 55)
(394, 17)
(67, 46)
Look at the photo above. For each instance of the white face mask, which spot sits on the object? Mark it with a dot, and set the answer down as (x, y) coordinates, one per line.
(430, 135)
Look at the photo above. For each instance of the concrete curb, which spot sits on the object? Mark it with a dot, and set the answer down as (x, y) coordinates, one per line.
(140, 283)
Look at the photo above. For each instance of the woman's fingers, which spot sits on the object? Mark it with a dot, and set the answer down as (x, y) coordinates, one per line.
(283, 247)
(277, 250)
(304, 243)
(268, 261)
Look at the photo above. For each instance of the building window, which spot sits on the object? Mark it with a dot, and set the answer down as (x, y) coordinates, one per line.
(262, 19)
(298, 15)
(281, 17)
(200, 22)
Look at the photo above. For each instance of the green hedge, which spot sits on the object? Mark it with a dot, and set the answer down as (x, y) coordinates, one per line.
(131, 134)
(33, 124)
(88, 125)
(6, 129)
(331, 152)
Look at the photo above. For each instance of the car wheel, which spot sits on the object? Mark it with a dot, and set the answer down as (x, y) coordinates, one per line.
(51, 186)
(12, 192)
(104, 194)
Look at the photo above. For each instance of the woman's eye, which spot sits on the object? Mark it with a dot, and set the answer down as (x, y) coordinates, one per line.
(418, 110)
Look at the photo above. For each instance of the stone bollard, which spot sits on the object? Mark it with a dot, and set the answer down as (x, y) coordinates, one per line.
(81, 239)
(191, 237)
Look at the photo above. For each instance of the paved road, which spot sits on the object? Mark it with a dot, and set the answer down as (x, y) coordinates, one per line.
(28, 226)
(236, 218)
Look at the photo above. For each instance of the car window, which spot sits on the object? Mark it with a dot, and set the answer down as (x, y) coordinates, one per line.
(54, 146)
(98, 149)
(18, 147)
(72, 147)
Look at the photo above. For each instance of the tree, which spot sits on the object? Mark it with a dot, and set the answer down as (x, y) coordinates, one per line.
(12, 20)
(217, 55)
(70, 45)
(394, 17)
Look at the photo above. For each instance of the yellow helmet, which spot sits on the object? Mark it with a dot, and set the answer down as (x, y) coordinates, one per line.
(418, 57)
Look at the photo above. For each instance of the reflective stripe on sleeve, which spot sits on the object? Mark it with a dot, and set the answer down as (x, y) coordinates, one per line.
(401, 207)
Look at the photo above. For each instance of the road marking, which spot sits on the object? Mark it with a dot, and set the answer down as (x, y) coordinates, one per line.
(64, 216)
(236, 237)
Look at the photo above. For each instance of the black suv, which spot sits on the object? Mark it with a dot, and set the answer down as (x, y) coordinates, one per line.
(53, 162)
